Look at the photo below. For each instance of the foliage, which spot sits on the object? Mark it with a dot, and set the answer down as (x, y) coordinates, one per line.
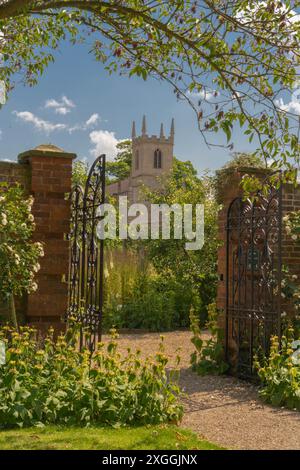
(57, 384)
(96, 438)
(80, 171)
(120, 167)
(138, 297)
(290, 291)
(292, 225)
(208, 358)
(195, 271)
(238, 160)
(233, 61)
(154, 283)
(280, 372)
(19, 255)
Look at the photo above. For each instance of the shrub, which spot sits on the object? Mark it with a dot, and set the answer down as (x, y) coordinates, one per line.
(56, 383)
(280, 372)
(147, 308)
(19, 255)
(209, 355)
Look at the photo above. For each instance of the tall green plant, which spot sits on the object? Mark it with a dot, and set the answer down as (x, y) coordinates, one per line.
(208, 357)
(279, 371)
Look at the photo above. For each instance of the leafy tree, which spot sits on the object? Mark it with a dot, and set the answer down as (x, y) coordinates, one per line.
(120, 168)
(195, 271)
(80, 172)
(234, 61)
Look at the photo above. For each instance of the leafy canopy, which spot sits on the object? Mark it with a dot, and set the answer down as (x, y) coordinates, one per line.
(234, 61)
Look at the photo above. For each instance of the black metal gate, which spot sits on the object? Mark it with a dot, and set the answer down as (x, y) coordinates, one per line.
(253, 277)
(85, 296)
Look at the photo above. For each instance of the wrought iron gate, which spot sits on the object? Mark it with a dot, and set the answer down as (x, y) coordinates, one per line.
(253, 277)
(85, 297)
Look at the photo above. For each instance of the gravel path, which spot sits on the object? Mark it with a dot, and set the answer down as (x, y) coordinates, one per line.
(224, 410)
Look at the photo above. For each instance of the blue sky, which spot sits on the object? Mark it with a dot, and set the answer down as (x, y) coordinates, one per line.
(88, 111)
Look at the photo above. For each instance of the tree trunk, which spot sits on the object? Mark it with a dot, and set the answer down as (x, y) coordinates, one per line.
(13, 315)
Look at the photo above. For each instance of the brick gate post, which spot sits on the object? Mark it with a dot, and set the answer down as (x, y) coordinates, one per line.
(51, 171)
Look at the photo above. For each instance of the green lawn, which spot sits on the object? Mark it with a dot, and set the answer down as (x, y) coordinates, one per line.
(96, 438)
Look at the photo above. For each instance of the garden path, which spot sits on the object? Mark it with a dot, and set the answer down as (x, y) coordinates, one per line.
(225, 410)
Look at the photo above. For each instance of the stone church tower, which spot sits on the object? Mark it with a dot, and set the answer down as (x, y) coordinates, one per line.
(152, 157)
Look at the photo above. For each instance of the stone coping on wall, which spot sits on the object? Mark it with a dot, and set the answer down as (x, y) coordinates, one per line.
(25, 156)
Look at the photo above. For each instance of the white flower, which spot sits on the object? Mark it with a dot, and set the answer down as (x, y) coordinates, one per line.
(288, 230)
(30, 218)
(17, 259)
(295, 344)
(2, 198)
(34, 286)
(294, 277)
(30, 201)
(282, 295)
(36, 267)
(40, 249)
(283, 314)
(3, 219)
(294, 237)
(296, 357)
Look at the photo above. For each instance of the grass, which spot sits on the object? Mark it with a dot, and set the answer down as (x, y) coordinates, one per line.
(98, 438)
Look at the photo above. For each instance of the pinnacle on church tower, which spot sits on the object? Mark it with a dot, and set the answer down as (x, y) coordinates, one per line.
(172, 133)
(162, 131)
(144, 126)
(133, 133)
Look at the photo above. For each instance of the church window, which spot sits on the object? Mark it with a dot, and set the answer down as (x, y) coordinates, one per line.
(157, 159)
(137, 160)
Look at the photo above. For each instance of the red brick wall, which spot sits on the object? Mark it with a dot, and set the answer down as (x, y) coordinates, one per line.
(46, 174)
(11, 173)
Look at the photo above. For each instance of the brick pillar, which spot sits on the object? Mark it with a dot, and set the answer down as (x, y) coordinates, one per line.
(51, 171)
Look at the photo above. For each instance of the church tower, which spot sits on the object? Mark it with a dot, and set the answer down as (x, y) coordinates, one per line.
(152, 155)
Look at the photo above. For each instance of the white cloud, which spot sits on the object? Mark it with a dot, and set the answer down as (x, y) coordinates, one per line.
(62, 110)
(62, 107)
(203, 94)
(39, 124)
(92, 120)
(90, 123)
(47, 126)
(293, 106)
(104, 142)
